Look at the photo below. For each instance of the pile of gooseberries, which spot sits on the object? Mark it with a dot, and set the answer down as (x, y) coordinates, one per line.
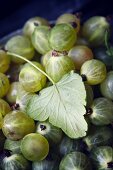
(56, 49)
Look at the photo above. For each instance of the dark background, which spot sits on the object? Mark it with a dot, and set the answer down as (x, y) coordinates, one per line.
(13, 14)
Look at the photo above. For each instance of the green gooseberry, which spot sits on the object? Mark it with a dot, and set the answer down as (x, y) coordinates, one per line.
(102, 158)
(20, 45)
(34, 147)
(17, 124)
(4, 61)
(14, 162)
(4, 107)
(46, 57)
(102, 111)
(50, 132)
(98, 136)
(80, 54)
(94, 30)
(13, 146)
(71, 19)
(93, 72)
(75, 160)
(58, 65)
(4, 85)
(32, 23)
(106, 86)
(62, 37)
(31, 79)
(12, 92)
(40, 39)
(68, 145)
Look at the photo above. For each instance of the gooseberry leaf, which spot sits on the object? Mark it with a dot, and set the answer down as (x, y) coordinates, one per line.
(63, 104)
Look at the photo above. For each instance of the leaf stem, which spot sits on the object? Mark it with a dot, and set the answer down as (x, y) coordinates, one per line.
(19, 56)
(107, 45)
(106, 40)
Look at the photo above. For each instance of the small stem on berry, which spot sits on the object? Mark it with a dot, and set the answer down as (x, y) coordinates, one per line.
(43, 127)
(19, 56)
(110, 165)
(84, 78)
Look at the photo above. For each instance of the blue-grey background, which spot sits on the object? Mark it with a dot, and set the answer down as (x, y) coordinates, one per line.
(13, 14)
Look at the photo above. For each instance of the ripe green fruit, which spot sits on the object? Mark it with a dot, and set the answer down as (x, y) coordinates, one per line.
(94, 71)
(75, 161)
(62, 37)
(12, 92)
(58, 65)
(40, 39)
(4, 61)
(17, 124)
(102, 158)
(101, 54)
(22, 46)
(31, 79)
(4, 107)
(13, 146)
(34, 147)
(14, 162)
(4, 85)
(94, 30)
(102, 111)
(51, 133)
(80, 54)
(71, 19)
(32, 23)
(45, 58)
(98, 136)
(68, 145)
(106, 86)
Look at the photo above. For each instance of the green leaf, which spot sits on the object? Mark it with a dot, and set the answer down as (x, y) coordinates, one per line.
(63, 103)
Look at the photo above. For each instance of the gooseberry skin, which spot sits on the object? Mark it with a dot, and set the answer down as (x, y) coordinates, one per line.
(17, 124)
(102, 111)
(106, 86)
(4, 61)
(82, 41)
(71, 19)
(31, 79)
(58, 66)
(80, 54)
(4, 107)
(94, 30)
(45, 58)
(100, 53)
(40, 39)
(12, 92)
(4, 85)
(32, 23)
(15, 162)
(34, 147)
(50, 132)
(94, 70)
(98, 136)
(20, 45)
(44, 165)
(101, 157)
(75, 160)
(62, 37)
(13, 146)
(68, 145)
